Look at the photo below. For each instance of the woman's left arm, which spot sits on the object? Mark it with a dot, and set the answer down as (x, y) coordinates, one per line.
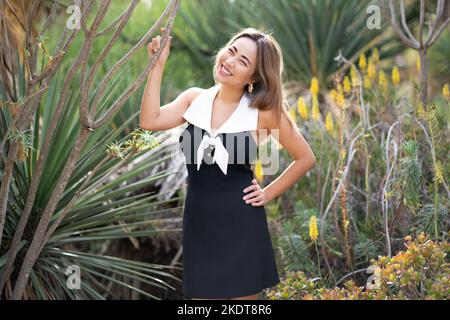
(301, 153)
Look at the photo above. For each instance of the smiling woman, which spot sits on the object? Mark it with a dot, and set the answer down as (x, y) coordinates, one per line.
(227, 248)
(254, 55)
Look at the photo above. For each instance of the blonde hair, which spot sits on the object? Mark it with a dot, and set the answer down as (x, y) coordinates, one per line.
(268, 90)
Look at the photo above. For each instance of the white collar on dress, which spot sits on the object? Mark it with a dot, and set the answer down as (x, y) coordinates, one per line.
(243, 118)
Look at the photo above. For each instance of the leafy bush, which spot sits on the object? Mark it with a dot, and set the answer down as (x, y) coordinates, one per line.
(421, 271)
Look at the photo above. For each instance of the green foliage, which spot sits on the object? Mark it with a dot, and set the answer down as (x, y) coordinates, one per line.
(202, 41)
(438, 60)
(311, 33)
(104, 200)
(411, 175)
(426, 216)
(422, 271)
(365, 248)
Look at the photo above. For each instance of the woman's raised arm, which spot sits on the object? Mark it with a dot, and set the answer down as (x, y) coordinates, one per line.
(156, 118)
(153, 116)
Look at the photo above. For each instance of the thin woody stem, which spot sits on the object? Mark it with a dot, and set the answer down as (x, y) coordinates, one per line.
(36, 244)
(6, 271)
(124, 96)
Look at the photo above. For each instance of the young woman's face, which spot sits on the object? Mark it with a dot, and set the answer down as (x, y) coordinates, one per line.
(239, 59)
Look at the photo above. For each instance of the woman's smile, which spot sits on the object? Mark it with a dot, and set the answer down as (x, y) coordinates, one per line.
(223, 71)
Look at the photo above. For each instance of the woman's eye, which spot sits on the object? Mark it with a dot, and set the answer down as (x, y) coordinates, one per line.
(240, 61)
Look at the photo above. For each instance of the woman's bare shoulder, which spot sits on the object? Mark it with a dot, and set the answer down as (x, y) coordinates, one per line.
(267, 119)
(193, 92)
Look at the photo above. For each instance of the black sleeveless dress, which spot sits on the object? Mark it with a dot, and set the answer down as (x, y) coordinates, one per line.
(227, 248)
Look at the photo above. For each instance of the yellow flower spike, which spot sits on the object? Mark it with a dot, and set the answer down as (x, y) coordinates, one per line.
(367, 83)
(314, 86)
(446, 91)
(340, 100)
(333, 95)
(371, 70)
(418, 64)
(340, 89)
(346, 223)
(362, 61)
(329, 123)
(382, 81)
(293, 114)
(259, 172)
(315, 108)
(313, 230)
(347, 86)
(375, 55)
(420, 109)
(439, 173)
(343, 153)
(354, 76)
(301, 108)
(395, 76)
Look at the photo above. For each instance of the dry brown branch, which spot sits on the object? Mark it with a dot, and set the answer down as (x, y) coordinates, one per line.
(40, 233)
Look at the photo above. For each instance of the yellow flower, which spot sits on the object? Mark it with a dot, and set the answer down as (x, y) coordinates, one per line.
(301, 108)
(382, 81)
(313, 231)
(418, 64)
(375, 55)
(446, 91)
(354, 76)
(314, 86)
(329, 123)
(367, 83)
(315, 108)
(420, 109)
(362, 61)
(439, 176)
(340, 100)
(395, 76)
(347, 86)
(259, 172)
(293, 114)
(333, 95)
(371, 70)
(340, 89)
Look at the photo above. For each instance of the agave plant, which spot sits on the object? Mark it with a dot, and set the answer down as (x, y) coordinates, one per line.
(60, 216)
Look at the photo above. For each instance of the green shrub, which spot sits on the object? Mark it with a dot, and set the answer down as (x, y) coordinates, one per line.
(421, 271)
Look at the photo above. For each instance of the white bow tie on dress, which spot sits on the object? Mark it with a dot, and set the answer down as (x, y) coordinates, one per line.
(199, 113)
(220, 152)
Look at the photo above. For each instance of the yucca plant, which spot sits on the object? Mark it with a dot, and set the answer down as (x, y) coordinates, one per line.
(312, 33)
(71, 183)
(108, 204)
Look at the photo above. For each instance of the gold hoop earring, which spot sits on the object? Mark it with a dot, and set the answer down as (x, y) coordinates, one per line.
(250, 87)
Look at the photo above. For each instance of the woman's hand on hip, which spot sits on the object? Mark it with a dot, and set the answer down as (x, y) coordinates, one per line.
(257, 196)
